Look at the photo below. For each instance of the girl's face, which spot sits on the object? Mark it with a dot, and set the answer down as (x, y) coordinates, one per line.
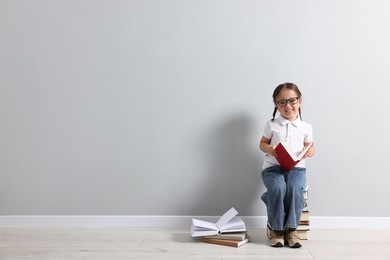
(288, 103)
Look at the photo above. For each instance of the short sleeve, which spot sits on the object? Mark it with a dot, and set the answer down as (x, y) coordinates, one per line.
(267, 130)
(309, 133)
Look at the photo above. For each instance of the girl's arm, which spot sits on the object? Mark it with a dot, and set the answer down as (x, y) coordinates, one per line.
(311, 151)
(265, 146)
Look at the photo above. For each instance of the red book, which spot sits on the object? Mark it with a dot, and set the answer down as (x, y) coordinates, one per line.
(288, 159)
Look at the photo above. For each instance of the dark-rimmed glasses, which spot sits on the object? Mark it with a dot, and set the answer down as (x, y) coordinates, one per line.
(291, 101)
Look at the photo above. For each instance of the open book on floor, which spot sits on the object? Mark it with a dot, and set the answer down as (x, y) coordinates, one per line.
(287, 158)
(229, 222)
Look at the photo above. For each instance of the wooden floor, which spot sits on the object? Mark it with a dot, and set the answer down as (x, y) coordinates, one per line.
(176, 243)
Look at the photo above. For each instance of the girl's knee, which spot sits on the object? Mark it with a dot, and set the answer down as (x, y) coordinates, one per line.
(277, 188)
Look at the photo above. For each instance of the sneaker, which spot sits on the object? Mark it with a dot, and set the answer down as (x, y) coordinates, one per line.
(276, 238)
(292, 238)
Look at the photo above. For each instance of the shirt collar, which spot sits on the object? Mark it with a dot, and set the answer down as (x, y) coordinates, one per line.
(283, 121)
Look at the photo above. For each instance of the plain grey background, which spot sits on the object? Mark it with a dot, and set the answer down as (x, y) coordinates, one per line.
(157, 107)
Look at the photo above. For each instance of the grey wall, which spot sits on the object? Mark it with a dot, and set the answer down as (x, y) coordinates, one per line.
(157, 107)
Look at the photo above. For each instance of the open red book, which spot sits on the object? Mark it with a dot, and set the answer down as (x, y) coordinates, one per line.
(287, 158)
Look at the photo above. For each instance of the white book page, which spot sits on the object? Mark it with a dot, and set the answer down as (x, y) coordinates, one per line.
(203, 225)
(291, 153)
(303, 152)
(231, 213)
(235, 223)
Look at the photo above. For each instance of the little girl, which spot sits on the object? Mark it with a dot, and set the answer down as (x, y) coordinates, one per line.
(284, 196)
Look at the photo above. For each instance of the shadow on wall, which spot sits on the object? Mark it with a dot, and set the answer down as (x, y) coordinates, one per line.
(233, 164)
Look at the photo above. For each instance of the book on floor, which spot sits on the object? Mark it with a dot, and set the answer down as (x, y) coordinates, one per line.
(224, 242)
(227, 223)
(238, 236)
(287, 158)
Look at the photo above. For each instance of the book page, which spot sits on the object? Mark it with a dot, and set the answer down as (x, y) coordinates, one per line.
(304, 152)
(201, 225)
(289, 151)
(235, 224)
(293, 155)
(231, 213)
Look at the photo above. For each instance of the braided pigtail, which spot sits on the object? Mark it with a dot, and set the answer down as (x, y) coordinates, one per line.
(300, 114)
(273, 115)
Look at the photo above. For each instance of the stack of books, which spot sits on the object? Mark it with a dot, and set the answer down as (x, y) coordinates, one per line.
(228, 231)
(303, 227)
(234, 239)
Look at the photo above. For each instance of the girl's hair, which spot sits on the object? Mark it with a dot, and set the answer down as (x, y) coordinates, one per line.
(287, 85)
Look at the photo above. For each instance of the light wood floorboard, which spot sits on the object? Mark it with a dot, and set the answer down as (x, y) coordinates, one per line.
(176, 243)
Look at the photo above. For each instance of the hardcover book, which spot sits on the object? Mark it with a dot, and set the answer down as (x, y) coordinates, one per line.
(239, 236)
(233, 243)
(287, 158)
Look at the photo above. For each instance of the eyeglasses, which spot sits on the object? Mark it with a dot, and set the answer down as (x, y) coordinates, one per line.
(291, 101)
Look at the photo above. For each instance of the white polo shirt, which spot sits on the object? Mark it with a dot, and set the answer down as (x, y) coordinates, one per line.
(295, 134)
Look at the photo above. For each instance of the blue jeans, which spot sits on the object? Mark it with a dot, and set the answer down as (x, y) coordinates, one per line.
(284, 196)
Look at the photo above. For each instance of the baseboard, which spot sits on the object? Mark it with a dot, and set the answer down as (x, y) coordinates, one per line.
(180, 221)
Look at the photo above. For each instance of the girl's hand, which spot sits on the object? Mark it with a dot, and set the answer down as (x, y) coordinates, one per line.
(271, 151)
(266, 147)
(311, 150)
